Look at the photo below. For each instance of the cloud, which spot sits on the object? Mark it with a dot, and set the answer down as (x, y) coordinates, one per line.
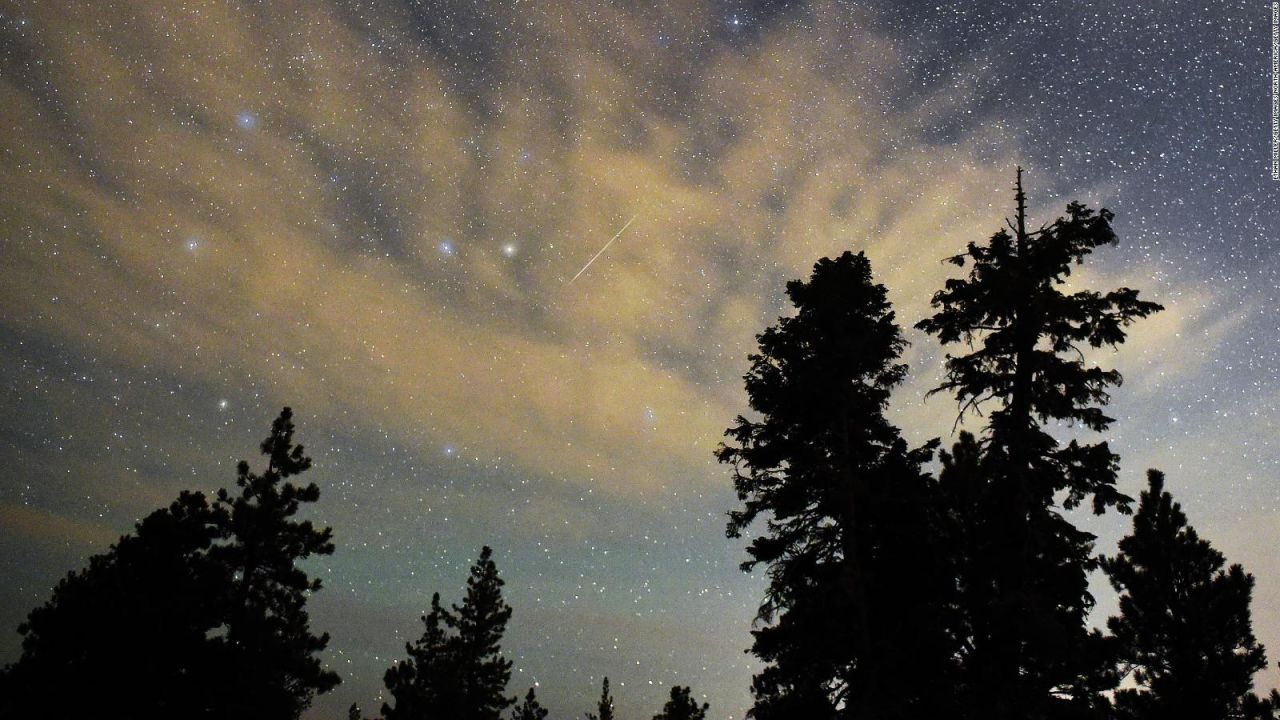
(44, 528)
(377, 224)
(269, 201)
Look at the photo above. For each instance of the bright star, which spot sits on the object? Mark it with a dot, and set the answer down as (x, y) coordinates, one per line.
(447, 248)
(247, 120)
(509, 249)
(223, 404)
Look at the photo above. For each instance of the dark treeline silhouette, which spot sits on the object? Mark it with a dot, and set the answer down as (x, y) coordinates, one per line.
(199, 613)
(894, 592)
(456, 670)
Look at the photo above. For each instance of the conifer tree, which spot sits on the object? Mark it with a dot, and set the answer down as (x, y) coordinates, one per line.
(268, 642)
(427, 683)
(605, 705)
(129, 632)
(682, 706)
(480, 622)
(530, 709)
(456, 669)
(1184, 628)
(854, 615)
(199, 613)
(1026, 650)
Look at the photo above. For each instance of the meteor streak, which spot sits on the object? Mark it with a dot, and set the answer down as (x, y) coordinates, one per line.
(606, 247)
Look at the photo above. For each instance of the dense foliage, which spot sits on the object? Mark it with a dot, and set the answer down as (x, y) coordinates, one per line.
(201, 612)
(1184, 629)
(855, 608)
(456, 669)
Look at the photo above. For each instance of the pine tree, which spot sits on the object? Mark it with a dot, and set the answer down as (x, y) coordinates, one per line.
(605, 705)
(682, 706)
(530, 709)
(1184, 627)
(427, 683)
(268, 641)
(977, 560)
(129, 632)
(854, 615)
(480, 622)
(199, 613)
(456, 669)
(1027, 652)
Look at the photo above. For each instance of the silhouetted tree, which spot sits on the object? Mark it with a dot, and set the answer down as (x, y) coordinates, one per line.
(1184, 627)
(426, 684)
(480, 622)
(456, 669)
(978, 560)
(268, 639)
(682, 706)
(530, 709)
(605, 705)
(1027, 652)
(127, 636)
(200, 613)
(855, 612)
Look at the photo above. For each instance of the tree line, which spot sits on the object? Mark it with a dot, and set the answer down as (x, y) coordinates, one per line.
(895, 592)
(201, 613)
(903, 582)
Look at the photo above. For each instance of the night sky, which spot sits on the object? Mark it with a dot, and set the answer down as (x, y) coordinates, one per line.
(374, 212)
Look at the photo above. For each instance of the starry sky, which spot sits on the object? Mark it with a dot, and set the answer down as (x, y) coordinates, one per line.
(374, 211)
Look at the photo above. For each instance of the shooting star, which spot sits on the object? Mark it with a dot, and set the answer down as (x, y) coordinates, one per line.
(606, 247)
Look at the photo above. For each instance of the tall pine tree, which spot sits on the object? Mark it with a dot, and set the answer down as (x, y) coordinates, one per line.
(1184, 628)
(604, 706)
(268, 645)
(480, 622)
(456, 669)
(1026, 650)
(854, 614)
